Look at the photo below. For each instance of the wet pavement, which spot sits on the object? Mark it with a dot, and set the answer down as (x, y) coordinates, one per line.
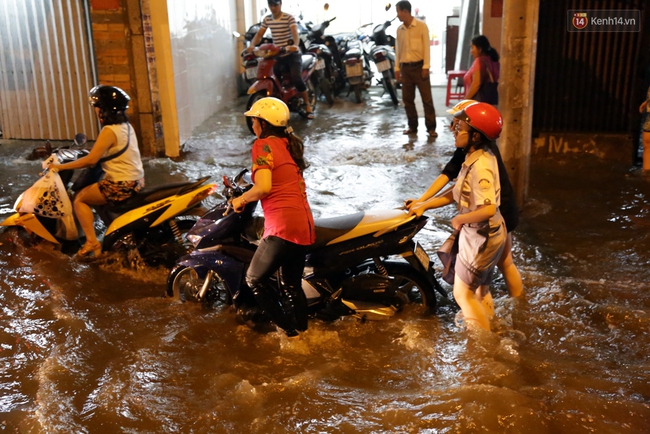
(97, 348)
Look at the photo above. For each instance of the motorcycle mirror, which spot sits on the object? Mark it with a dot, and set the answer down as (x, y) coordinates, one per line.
(236, 34)
(326, 6)
(80, 139)
(388, 6)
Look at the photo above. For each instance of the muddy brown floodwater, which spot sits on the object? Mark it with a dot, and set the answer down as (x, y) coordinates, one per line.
(90, 348)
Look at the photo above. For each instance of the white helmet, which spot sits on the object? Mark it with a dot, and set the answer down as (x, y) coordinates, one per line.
(272, 110)
(461, 106)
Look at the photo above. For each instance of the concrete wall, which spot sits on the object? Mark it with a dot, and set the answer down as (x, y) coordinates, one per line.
(492, 22)
(205, 59)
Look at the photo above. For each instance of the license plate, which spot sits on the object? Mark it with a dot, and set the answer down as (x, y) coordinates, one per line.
(320, 64)
(383, 65)
(422, 256)
(354, 71)
(251, 73)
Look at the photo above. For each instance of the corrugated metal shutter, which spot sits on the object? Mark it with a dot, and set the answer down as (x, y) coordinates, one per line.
(587, 81)
(45, 70)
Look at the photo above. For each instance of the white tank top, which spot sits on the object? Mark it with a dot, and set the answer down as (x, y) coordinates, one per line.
(128, 166)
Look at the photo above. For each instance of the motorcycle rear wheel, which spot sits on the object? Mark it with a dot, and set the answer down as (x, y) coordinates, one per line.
(184, 284)
(389, 84)
(412, 284)
(357, 93)
(159, 247)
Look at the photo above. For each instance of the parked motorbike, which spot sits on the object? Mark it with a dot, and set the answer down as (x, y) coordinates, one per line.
(356, 62)
(383, 54)
(153, 221)
(352, 269)
(267, 84)
(249, 60)
(331, 78)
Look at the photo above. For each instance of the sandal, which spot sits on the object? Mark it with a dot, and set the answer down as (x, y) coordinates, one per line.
(410, 131)
(88, 248)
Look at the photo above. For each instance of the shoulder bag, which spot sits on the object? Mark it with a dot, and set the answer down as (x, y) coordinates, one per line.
(91, 175)
(488, 91)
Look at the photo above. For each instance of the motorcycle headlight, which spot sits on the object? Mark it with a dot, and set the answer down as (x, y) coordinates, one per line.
(194, 239)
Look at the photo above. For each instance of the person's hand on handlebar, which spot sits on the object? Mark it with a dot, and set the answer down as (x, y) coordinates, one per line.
(238, 204)
(408, 203)
(416, 208)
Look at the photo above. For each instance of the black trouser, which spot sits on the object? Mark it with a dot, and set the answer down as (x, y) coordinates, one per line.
(288, 309)
(293, 63)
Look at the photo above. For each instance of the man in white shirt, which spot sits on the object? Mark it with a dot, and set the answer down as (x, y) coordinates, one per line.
(412, 68)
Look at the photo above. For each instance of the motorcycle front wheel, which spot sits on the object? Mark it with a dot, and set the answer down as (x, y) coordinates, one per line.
(326, 90)
(184, 284)
(252, 100)
(311, 94)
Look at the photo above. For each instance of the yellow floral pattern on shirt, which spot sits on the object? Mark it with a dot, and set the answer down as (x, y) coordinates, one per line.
(264, 160)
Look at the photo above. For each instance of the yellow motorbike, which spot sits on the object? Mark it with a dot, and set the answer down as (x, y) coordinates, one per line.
(153, 222)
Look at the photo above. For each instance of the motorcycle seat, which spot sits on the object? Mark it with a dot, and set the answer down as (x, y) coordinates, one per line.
(352, 52)
(328, 229)
(154, 194)
(337, 229)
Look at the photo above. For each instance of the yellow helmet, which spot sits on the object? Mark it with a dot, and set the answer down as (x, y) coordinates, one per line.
(461, 106)
(272, 110)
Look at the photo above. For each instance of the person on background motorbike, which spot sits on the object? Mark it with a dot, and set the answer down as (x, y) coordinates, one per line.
(124, 175)
(284, 31)
(508, 207)
(479, 227)
(278, 164)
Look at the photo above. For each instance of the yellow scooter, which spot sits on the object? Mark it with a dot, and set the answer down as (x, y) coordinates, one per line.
(153, 221)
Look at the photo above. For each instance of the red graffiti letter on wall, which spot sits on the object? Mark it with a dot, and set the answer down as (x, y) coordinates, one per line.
(105, 4)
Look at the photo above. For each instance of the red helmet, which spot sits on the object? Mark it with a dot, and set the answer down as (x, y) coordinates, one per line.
(484, 118)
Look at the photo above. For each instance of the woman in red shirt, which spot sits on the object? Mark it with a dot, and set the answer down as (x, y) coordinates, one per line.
(278, 164)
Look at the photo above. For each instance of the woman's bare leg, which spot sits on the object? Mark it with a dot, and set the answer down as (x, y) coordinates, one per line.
(86, 197)
(473, 311)
(509, 271)
(646, 151)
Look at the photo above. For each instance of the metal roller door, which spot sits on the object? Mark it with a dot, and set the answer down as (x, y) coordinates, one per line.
(45, 70)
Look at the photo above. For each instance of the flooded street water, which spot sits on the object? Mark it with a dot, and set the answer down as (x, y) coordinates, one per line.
(90, 348)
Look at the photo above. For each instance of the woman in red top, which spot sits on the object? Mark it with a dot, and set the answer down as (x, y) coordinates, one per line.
(278, 164)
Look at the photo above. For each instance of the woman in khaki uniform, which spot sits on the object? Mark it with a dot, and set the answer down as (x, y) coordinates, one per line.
(476, 245)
